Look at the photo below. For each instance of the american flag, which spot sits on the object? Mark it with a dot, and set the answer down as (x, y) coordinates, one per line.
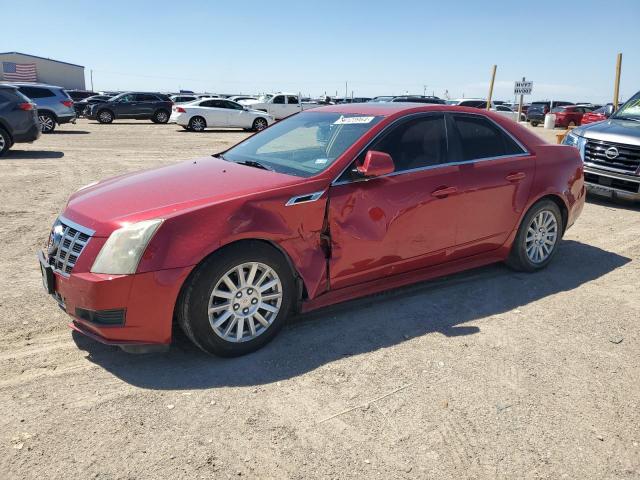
(19, 72)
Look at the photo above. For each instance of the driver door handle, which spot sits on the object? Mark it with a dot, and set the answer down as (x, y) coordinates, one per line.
(444, 192)
(516, 176)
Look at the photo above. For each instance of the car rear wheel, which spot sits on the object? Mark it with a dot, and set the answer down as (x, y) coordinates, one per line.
(105, 116)
(259, 124)
(197, 124)
(538, 237)
(161, 116)
(534, 123)
(5, 142)
(47, 122)
(237, 300)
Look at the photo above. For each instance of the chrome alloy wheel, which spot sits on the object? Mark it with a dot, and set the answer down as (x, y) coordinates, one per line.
(46, 123)
(105, 116)
(542, 236)
(197, 124)
(261, 124)
(245, 302)
(2, 143)
(162, 117)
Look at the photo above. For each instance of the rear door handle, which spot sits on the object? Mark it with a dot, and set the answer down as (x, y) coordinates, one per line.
(444, 192)
(515, 177)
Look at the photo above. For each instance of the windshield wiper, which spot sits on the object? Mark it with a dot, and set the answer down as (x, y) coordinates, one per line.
(256, 164)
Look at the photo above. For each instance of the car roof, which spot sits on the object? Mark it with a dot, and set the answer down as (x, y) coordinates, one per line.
(389, 108)
(31, 84)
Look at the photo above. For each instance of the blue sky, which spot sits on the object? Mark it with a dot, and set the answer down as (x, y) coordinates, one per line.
(567, 48)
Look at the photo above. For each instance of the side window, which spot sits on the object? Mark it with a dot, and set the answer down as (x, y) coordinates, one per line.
(417, 143)
(479, 138)
(233, 105)
(279, 99)
(292, 99)
(146, 97)
(127, 98)
(206, 103)
(217, 103)
(34, 92)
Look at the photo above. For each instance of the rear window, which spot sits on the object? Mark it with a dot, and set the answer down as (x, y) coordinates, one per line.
(37, 92)
(479, 138)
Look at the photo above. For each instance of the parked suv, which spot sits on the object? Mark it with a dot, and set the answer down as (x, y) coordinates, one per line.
(570, 115)
(137, 105)
(54, 104)
(611, 152)
(18, 118)
(537, 111)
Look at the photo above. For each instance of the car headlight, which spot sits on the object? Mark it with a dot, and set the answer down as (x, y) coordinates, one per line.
(122, 251)
(576, 141)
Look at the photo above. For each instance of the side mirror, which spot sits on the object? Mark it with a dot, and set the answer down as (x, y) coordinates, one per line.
(608, 111)
(376, 164)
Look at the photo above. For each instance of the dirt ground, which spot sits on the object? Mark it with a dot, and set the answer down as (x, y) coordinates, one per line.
(487, 374)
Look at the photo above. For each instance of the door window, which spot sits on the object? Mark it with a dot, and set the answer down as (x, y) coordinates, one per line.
(292, 99)
(479, 138)
(279, 99)
(233, 105)
(417, 143)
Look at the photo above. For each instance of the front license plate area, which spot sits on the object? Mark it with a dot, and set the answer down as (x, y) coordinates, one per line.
(48, 278)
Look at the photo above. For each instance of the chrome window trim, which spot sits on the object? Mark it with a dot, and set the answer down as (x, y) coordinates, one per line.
(525, 151)
(312, 198)
(76, 226)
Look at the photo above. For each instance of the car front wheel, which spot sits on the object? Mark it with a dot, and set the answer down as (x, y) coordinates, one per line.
(237, 300)
(105, 116)
(538, 237)
(47, 122)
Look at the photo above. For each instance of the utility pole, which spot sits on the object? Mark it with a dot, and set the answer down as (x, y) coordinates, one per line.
(424, 90)
(91, 79)
(346, 89)
(616, 86)
(493, 77)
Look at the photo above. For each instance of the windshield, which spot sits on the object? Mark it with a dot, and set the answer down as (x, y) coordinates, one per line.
(304, 144)
(452, 102)
(630, 110)
(382, 99)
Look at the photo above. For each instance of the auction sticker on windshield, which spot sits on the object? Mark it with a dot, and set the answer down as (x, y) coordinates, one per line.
(352, 120)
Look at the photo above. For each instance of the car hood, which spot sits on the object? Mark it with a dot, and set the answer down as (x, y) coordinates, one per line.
(168, 191)
(612, 130)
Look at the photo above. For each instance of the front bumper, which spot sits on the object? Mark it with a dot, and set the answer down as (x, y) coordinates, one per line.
(611, 184)
(120, 310)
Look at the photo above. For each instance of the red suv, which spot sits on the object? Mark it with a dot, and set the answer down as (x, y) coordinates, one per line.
(570, 115)
(327, 205)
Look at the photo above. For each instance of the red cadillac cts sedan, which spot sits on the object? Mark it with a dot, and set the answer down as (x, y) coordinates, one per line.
(328, 205)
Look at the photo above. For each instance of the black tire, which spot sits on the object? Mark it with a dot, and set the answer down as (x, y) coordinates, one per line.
(5, 142)
(105, 116)
(160, 116)
(534, 123)
(259, 124)
(47, 122)
(197, 124)
(518, 257)
(193, 305)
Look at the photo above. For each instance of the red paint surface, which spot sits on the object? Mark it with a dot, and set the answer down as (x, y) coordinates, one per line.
(382, 233)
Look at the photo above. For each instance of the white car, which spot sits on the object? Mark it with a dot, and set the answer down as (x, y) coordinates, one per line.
(280, 105)
(219, 112)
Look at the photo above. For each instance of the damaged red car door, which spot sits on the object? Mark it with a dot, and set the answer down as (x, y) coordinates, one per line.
(399, 221)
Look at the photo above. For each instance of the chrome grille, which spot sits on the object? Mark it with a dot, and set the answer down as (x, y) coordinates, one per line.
(626, 161)
(65, 247)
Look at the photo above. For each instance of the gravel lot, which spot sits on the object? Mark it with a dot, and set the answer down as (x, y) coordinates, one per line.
(487, 374)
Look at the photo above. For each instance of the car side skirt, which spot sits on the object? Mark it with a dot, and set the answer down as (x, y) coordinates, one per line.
(407, 278)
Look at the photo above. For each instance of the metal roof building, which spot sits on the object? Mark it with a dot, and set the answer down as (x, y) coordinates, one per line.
(16, 66)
